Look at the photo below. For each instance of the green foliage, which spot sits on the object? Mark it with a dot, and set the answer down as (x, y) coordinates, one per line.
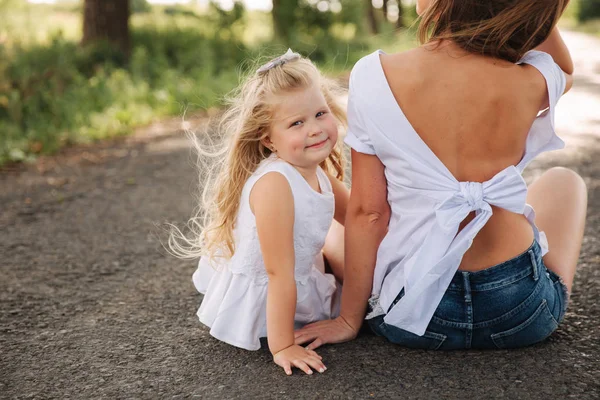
(284, 18)
(588, 10)
(327, 37)
(58, 93)
(576, 17)
(54, 92)
(139, 6)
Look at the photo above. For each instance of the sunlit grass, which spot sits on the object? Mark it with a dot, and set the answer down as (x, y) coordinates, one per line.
(38, 24)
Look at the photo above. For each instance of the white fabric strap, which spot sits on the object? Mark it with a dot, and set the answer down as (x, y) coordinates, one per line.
(429, 271)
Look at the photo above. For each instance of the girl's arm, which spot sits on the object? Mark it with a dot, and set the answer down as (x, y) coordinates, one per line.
(367, 221)
(341, 195)
(272, 203)
(556, 47)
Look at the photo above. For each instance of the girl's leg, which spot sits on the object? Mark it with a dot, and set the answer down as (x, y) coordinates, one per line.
(559, 198)
(333, 251)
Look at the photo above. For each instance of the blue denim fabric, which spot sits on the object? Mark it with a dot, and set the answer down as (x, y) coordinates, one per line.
(513, 304)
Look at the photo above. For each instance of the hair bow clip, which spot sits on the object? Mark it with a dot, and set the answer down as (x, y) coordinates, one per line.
(287, 57)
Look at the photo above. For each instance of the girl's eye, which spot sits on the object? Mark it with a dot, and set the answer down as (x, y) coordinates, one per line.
(297, 123)
(320, 113)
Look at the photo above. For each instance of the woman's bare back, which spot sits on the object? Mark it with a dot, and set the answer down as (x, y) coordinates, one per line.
(474, 113)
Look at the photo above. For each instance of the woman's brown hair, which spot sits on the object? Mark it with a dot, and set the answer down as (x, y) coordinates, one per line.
(505, 29)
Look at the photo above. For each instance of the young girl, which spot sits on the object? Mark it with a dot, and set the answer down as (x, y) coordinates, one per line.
(442, 242)
(269, 211)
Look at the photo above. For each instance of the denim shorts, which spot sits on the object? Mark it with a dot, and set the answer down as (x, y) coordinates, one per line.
(513, 304)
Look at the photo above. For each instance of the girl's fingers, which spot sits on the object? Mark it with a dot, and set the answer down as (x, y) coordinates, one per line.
(316, 364)
(302, 365)
(314, 354)
(287, 367)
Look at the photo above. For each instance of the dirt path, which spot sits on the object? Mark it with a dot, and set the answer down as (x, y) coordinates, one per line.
(92, 307)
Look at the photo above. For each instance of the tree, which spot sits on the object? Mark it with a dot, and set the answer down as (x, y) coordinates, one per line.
(400, 20)
(588, 9)
(107, 20)
(371, 17)
(283, 19)
(397, 5)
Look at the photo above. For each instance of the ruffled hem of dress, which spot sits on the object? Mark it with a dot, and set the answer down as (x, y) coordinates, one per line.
(318, 297)
(234, 305)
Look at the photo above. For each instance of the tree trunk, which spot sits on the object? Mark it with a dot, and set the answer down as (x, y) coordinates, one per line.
(275, 11)
(371, 17)
(284, 21)
(400, 20)
(107, 20)
(385, 10)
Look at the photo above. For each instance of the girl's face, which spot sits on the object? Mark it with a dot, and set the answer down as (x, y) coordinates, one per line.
(422, 5)
(303, 131)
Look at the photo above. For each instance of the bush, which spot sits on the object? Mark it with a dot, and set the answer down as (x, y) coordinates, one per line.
(588, 9)
(56, 94)
(328, 38)
(140, 6)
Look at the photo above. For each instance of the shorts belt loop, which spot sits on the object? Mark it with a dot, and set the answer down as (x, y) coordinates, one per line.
(534, 265)
(467, 286)
(468, 308)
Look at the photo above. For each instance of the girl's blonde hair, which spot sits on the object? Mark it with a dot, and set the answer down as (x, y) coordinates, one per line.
(505, 29)
(243, 128)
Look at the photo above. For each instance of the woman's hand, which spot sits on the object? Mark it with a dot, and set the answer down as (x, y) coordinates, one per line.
(322, 332)
(299, 357)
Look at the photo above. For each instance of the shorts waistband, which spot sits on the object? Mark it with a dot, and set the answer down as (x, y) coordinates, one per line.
(525, 264)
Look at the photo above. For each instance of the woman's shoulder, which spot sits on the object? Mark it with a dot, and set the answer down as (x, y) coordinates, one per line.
(373, 60)
(546, 65)
(554, 77)
(365, 60)
(364, 67)
(536, 57)
(368, 75)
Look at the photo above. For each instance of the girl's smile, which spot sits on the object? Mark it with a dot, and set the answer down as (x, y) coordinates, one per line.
(318, 145)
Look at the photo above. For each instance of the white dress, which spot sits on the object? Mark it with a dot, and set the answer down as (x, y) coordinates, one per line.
(235, 290)
(422, 250)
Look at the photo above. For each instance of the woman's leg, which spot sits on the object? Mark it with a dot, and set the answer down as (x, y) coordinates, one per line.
(559, 198)
(334, 250)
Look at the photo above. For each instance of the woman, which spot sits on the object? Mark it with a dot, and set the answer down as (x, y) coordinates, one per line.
(442, 241)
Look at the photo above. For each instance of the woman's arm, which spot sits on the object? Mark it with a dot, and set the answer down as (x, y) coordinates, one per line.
(272, 203)
(367, 220)
(556, 47)
(341, 195)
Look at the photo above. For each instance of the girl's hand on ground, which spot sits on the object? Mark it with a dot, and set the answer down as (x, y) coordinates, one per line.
(299, 357)
(322, 332)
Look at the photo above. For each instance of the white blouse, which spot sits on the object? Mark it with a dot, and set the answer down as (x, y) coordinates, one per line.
(421, 251)
(235, 290)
